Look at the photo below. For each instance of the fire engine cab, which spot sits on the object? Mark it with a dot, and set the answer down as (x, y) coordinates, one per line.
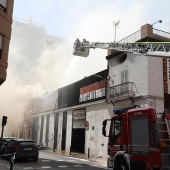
(138, 140)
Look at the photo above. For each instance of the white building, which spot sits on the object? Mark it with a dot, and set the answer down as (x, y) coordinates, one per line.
(78, 110)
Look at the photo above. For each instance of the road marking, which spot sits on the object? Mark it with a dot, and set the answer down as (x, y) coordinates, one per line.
(83, 160)
(79, 159)
(71, 160)
(78, 165)
(45, 167)
(62, 166)
(46, 161)
(60, 160)
(27, 168)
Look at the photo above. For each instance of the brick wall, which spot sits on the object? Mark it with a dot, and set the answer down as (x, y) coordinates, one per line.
(5, 31)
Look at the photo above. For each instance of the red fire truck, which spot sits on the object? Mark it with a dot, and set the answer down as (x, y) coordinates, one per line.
(138, 139)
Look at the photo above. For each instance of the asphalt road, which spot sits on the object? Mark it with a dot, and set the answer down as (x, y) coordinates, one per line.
(48, 161)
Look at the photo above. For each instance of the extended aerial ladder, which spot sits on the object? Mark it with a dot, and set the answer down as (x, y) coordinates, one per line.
(157, 49)
(158, 153)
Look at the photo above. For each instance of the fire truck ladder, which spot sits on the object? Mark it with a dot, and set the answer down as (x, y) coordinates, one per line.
(158, 49)
(163, 127)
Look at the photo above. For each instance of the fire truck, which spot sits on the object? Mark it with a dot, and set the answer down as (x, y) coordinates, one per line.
(138, 139)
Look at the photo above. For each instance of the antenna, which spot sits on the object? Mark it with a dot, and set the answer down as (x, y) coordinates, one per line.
(115, 25)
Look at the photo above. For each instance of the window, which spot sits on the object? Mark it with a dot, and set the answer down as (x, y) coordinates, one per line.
(139, 135)
(124, 79)
(154, 135)
(26, 143)
(3, 4)
(1, 40)
(116, 127)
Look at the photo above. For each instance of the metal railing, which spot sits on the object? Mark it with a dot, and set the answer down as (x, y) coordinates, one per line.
(131, 38)
(161, 33)
(136, 36)
(124, 89)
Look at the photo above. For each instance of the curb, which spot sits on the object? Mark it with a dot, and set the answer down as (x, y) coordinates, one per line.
(66, 155)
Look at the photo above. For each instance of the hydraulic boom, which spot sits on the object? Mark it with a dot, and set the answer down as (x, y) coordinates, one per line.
(158, 49)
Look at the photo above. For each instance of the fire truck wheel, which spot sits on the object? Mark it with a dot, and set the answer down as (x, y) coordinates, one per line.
(122, 165)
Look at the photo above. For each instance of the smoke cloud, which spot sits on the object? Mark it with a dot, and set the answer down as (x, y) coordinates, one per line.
(33, 71)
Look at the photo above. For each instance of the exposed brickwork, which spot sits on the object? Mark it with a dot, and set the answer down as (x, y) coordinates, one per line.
(5, 30)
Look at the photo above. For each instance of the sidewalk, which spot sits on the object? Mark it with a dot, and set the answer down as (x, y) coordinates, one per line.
(101, 160)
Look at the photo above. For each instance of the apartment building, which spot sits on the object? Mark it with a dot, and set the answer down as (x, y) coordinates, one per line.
(6, 12)
(138, 79)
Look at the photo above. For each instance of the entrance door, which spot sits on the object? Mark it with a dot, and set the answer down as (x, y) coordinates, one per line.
(78, 131)
(78, 140)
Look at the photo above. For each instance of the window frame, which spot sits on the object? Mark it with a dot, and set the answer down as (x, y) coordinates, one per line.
(2, 7)
(1, 44)
(114, 130)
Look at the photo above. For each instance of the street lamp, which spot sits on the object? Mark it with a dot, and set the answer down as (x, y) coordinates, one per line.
(99, 76)
(160, 21)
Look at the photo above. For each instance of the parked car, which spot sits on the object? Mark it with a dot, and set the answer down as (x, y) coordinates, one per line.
(22, 148)
(4, 142)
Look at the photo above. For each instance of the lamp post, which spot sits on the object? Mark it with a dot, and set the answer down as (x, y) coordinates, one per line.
(99, 76)
(160, 21)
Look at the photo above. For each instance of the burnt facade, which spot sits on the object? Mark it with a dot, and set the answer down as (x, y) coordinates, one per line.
(89, 89)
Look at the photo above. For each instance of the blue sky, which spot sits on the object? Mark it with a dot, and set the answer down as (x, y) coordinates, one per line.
(93, 18)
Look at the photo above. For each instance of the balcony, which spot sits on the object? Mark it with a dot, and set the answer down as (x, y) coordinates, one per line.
(123, 91)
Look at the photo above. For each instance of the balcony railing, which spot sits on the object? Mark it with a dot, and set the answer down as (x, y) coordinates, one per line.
(123, 90)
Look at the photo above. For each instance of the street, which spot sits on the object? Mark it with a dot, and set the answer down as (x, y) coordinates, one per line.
(50, 161)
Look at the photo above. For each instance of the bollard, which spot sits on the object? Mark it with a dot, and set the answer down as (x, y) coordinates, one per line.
(88, 153)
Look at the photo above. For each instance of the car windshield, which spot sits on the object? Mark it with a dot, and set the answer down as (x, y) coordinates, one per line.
(6, 139)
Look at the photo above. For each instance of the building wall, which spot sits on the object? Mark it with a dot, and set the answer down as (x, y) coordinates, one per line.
(147, 75)
(94, 139)
(69, 130)
(39, 128)
(5, 35)
(137, 67)
(60, 123)
(51, 131)
(155, 76)
(44, 129)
